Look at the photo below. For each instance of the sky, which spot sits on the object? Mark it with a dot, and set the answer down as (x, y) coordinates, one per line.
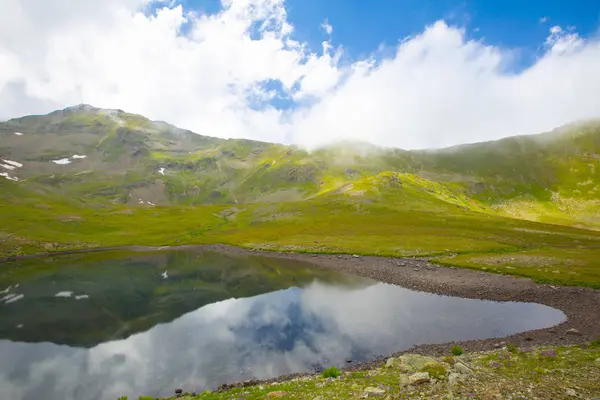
(402, 73)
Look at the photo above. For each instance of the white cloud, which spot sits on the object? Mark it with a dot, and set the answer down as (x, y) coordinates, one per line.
(327, 27)
(210, 73)
(543, 20)
(440, 89)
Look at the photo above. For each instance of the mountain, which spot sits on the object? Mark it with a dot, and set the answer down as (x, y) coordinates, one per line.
(110, 156)
(90, 177)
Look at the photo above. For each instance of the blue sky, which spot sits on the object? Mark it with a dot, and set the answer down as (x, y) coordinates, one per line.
(361, 27)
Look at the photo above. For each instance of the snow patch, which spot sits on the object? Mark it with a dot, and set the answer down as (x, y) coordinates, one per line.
(150, 203)
(14, 298)
(75, 156)
(82, 296)
(20, 326)
(63, 294)
(165, 275)
(8, 296)
(9, 167)
(10, 178)
(5, 290)
(62, 161)
(13, 163)
(18, 134)
(161, 171)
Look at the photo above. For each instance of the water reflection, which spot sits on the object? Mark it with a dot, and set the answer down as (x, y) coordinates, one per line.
(297, 328)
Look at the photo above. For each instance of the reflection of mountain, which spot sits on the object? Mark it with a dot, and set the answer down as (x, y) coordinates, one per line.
(127, 293)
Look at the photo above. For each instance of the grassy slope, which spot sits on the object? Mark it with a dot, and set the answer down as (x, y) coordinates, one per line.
(548, 178)
(375, 216)
(348, 198)
(542, 373)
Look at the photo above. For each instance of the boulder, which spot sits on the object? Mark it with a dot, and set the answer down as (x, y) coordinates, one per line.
(435, 369)
(392, 362)
(462, 369)
(404, 380)
(454, 378)
(573, 332)
(413, 362)
(373, 392)
(418, 378)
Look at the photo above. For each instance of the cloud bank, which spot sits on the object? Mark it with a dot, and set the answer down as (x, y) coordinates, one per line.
(241, 73)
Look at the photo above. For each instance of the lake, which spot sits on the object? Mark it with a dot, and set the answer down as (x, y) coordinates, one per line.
(106, 324)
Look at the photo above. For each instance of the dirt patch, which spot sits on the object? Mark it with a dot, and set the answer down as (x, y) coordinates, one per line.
(534, 231)
(524, 260)
(70, 218)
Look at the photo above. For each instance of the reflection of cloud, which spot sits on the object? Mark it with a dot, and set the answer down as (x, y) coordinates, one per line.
(271, 334)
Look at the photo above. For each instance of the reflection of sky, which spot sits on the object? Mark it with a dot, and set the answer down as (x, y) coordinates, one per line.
(263, 336)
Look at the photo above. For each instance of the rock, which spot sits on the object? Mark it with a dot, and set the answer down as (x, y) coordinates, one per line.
(355, 256)
(178, 391)
(571, 392)
(435, 369)
(573, 331)
(454, 378)
(373, 392)
(418, 378)
(597, 360)
(278, 393)
(404, 380)
(413, 362)
(391, 362)
(348, 360)
(499, 345)
(462, 369)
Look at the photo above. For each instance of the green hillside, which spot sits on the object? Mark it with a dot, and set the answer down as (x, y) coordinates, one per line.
(89, 177)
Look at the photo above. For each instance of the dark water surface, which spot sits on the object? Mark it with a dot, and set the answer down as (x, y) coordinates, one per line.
(107, 324)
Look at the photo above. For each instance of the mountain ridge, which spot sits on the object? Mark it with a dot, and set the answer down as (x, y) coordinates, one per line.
(133, 156)
(90, 178)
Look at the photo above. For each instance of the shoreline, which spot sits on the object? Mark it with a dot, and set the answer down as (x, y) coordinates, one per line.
(581, 305)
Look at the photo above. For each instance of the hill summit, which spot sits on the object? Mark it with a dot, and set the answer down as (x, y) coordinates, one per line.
(110, 156)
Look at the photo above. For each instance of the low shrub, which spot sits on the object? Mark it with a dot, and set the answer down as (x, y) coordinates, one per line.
(457, 350)
(595, 344)
(332, 372)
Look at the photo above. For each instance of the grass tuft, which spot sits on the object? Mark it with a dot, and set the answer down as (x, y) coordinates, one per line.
(332, 372)
(457, 350)
(595, 344)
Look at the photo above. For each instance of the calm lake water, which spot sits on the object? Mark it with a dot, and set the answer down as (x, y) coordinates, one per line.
(107, 324)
